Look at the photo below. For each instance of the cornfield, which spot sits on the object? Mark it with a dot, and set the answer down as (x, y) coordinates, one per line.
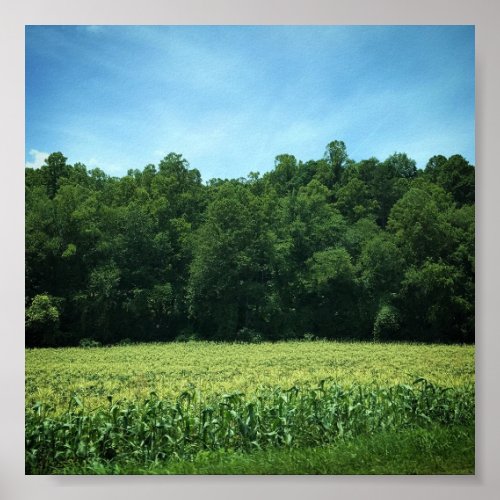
(158, 429)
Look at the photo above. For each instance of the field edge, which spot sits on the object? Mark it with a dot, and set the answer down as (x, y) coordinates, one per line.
(438, 450)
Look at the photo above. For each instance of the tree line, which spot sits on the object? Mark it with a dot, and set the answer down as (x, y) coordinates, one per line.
(329, 248)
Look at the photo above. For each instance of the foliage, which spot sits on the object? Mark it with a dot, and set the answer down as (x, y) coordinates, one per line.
(42, 311)
(386, 324)
(42, 319)
(248, 335)
(313, 246)
(455, 175)
(433, 450)
(89, 343)
(157, 430)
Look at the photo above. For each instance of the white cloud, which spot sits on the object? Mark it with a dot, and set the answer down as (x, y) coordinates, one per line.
(39, 158)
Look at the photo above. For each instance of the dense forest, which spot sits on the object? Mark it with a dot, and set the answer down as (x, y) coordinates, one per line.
(328, 248)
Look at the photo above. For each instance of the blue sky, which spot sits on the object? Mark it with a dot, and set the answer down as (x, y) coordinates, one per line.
(231, 98)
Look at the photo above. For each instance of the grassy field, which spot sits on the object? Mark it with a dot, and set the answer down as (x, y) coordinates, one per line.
(297, 407)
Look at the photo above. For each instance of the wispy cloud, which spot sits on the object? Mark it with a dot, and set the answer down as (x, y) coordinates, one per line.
(38, 158)
(231, 98)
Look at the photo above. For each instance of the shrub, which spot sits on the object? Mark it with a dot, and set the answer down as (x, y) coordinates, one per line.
(86, 342)
(310, 336)
(187, 335)
(386, 325)
(248, 335)
(42, 320)
(125, 341)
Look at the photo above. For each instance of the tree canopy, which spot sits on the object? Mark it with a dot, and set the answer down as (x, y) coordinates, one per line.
(331, 248)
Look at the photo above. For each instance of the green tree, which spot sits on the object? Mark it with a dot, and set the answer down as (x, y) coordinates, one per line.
(283, 177)
(54, 170)
(401, 166)
(331, 282)
(99, 304)
(355, 201)
(420, 223)
(336, 155)
(42, 321)
(229, 273)
(455, 175)
(338, 248)
(433, 307)
(387, 324)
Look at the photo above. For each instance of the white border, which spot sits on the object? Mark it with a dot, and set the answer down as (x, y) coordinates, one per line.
(484, 14)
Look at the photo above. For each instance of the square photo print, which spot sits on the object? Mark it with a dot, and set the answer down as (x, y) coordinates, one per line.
(249, 250)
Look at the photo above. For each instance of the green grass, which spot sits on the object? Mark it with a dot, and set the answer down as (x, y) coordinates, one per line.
(438, 450)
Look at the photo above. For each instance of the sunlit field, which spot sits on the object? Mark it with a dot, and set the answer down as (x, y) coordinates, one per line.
(133, 372)
(145, 408)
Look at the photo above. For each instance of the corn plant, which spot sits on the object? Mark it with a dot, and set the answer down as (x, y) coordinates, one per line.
(157, 429)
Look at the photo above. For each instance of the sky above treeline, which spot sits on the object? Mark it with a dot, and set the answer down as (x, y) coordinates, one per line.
(232, 98)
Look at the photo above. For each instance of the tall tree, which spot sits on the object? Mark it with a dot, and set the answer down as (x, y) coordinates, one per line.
(336, 154)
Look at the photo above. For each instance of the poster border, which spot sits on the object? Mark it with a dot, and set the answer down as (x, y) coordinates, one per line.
(484, 14)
